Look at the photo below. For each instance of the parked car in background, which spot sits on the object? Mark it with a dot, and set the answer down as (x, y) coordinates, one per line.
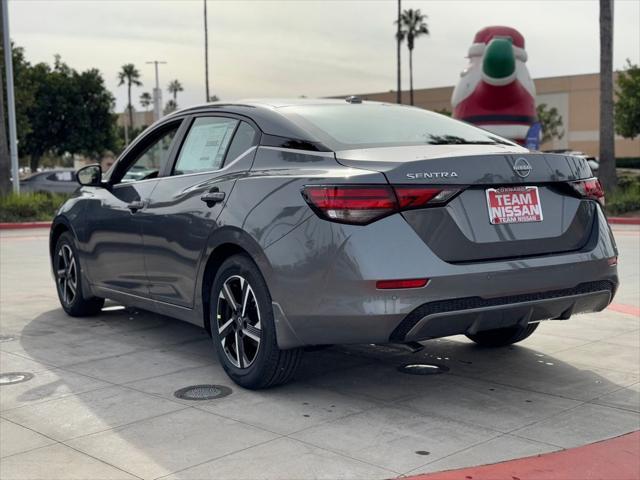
(54, 181)
(279, 225)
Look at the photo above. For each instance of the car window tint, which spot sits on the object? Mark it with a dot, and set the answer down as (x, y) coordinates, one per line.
(153, 159)
(206, 144)
(245, 138)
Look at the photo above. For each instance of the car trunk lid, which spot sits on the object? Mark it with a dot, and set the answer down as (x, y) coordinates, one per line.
(467, 228)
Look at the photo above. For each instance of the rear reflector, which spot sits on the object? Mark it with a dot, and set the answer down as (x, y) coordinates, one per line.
(612, 261)
(396, 284)
(589, 188)
(416, 197)
(362, 204)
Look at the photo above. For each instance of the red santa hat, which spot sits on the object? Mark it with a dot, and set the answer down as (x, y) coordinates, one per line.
(484, 36)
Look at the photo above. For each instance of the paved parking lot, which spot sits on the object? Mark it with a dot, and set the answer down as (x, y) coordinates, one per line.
(101, 401)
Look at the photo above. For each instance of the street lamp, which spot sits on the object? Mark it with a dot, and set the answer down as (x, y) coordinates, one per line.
(11, 103)
(157, 92)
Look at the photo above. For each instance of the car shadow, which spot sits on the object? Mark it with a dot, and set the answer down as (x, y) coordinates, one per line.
(157, 355)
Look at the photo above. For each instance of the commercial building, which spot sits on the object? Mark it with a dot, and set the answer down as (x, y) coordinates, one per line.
(577, 98)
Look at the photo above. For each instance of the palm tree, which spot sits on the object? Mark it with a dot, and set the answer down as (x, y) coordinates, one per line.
(171, 106)
(129, 75)
(146, 100)
(174, 87)
(412, 26)
(607, 170)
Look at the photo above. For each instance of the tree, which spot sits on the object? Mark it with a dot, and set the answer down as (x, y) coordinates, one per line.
(174, 87)
(214, 98)
(146, 100)
(171, 106)
(25, 89)
(627, 108)
(551, 123)
(129, 75)
(413, 25)
(443, 111)
(72, 113)
(607, 170)
(60, 111)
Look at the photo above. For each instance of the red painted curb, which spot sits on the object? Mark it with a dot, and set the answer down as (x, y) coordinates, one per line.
(18, 226)
(614, 459)
(622, 308)
(624, 220)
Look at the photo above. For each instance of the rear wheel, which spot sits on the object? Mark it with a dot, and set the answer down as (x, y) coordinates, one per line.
(68, 273)
(503, 336)
(243, 328)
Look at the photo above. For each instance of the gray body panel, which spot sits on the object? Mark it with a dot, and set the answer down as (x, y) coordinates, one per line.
(322, 275)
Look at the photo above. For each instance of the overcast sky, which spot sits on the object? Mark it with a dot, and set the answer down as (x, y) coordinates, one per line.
(301, 47)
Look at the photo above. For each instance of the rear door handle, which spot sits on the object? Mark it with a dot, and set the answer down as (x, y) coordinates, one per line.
(135, 206)
(212, 197)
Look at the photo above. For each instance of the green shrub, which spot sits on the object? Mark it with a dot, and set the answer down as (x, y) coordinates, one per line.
(29, 207)
(626, 198)
(628, 162)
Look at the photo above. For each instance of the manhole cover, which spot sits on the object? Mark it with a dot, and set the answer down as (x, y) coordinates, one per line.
(6, 338)
(14, 377)
(203, 392)
(423, 369)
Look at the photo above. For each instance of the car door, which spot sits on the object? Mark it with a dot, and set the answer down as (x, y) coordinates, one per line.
(114, 216)
(184, 207)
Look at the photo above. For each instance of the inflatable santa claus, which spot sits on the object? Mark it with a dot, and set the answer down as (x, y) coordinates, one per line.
(495, 91)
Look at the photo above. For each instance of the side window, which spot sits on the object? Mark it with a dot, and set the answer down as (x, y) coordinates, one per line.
(205, 145)
(245, 138)
(153, 159)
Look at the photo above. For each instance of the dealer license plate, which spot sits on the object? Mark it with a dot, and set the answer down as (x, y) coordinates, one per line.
(514, 205)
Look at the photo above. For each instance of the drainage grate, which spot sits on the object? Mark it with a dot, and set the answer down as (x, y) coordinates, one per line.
(6, 338)
(423, 369)
(14, 377)
(203, 392)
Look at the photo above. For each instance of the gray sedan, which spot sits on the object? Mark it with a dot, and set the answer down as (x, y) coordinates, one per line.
(280, 225)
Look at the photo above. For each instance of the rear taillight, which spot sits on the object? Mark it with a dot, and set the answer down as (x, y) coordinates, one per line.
(398, 284)
(589, 188)
(362, 204)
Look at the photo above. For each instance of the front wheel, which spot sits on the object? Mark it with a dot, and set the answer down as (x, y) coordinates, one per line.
(243, 328)
(502, 337)
(68, 273)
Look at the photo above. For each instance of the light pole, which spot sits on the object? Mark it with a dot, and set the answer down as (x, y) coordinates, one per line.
(157, 92)
(11, 103)
(206, 53)
(398, 43)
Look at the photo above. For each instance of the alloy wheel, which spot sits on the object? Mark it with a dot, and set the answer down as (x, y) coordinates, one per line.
(238, 321)
(67, 274)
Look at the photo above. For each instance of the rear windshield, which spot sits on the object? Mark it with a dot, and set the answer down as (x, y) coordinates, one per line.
(383, 125)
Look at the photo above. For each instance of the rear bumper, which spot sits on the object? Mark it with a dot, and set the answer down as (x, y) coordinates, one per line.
(474, 314)
(323, 285)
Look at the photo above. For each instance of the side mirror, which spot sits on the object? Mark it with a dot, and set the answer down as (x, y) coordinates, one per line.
(90, 176)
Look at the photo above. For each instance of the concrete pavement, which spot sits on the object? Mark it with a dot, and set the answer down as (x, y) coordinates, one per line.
(101, 404)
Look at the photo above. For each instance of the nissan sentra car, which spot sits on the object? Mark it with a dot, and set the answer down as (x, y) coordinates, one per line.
(280, 225)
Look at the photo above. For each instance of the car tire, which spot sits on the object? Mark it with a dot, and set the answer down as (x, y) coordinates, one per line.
(502, 337)
(243, 327)
(69, 285)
